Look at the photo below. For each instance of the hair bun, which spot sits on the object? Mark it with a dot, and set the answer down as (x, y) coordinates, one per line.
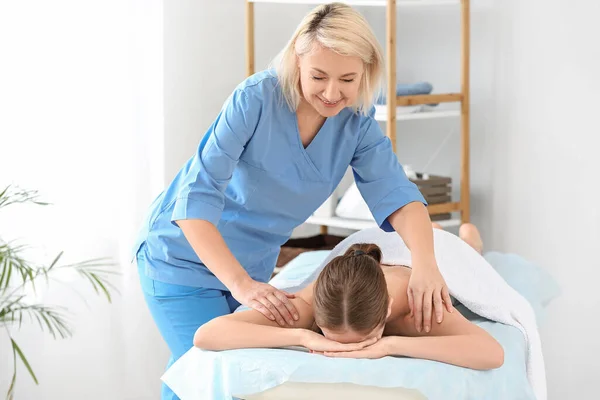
(361, 249)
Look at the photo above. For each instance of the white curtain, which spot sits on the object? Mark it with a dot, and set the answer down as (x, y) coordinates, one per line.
(81, 120)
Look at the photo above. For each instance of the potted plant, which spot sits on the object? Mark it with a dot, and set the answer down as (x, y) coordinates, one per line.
(18, 278)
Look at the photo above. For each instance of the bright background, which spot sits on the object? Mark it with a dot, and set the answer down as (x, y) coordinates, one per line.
(101, 102)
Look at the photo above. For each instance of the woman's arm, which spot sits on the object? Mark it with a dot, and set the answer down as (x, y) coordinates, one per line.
(250, 329)
(200, 202)
(207, 242)
(470, 351)
(209, 245)
(397, 205)
(427, 288)
(455, 341)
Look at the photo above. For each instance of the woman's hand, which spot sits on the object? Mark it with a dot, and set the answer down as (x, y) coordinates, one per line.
(268, 300)
(378, 349)
(318, 343)
(427, 293)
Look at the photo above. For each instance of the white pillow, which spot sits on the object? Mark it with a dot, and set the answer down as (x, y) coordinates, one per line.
(327, 209)
(352, 205)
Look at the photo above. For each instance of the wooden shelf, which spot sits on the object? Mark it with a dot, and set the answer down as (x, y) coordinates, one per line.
(443, 208)
(428, 99)
(368, 3)
(359, 224)
(402, 115)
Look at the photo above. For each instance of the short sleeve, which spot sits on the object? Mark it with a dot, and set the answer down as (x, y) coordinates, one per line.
(200, 194)
(379, 175)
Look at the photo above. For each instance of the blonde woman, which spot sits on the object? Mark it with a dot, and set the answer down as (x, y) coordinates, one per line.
(275, 152)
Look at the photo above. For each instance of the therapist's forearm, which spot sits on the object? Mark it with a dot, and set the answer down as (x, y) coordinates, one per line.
(209, 245)
(413, 224)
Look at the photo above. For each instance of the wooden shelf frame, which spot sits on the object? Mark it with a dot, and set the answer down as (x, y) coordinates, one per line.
(463, 98)
(367, 3)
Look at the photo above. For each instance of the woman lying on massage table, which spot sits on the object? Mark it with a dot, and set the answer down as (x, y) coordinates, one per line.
(362, 309)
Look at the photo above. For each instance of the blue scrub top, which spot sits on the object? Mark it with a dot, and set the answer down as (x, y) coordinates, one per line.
(254, 180)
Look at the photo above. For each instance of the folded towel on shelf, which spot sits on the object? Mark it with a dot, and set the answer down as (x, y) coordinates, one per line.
(407, 89)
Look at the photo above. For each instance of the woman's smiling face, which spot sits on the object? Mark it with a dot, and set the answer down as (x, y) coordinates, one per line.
(329, 81)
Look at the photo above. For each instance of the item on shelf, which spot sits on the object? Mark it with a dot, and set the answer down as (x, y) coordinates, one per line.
(407, 89)
(410, 112)
(327, 209)
(436, 190)
(352, 205)
(410, 173)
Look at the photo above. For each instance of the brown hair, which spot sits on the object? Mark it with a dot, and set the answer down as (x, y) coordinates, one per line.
(351, 291)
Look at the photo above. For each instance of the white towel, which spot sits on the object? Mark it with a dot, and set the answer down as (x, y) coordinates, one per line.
(472, 281)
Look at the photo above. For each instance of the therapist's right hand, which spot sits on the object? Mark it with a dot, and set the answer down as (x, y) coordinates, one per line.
(268, 300)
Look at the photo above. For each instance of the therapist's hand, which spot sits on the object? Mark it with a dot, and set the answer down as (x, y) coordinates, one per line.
(268, 300)
(427, 295)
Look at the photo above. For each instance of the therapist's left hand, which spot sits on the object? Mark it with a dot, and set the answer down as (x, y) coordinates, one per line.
(427, 294)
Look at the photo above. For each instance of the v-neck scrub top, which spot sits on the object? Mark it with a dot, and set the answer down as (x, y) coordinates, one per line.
(254, 180)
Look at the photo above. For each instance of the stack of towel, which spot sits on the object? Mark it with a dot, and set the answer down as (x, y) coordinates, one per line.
(407, 89)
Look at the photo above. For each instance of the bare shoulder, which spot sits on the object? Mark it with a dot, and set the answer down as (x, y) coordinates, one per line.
(306, 294)
(402, 323)
(397, 278)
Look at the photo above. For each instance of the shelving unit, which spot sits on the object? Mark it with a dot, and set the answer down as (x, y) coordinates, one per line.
(381, 114)
(358, 224)
(392, 113)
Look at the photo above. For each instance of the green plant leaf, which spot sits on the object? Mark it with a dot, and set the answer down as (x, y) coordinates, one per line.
(11, 389)
(96, 272)
(102, 286)
(55, 260)
(3, 192)
(23, 359)
(6, 309)
(14, 264)
(10, 196)
(6, 273)
(49, 319)
(14, 268)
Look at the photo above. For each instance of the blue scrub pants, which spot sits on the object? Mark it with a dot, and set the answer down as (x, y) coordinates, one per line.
(179, 311)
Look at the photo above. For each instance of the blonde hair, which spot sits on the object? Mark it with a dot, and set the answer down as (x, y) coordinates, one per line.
(342, 29)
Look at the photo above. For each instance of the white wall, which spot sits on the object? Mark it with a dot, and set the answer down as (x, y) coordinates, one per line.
(60, 140)
(204, 51)
(544, 128)
(80, 113)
